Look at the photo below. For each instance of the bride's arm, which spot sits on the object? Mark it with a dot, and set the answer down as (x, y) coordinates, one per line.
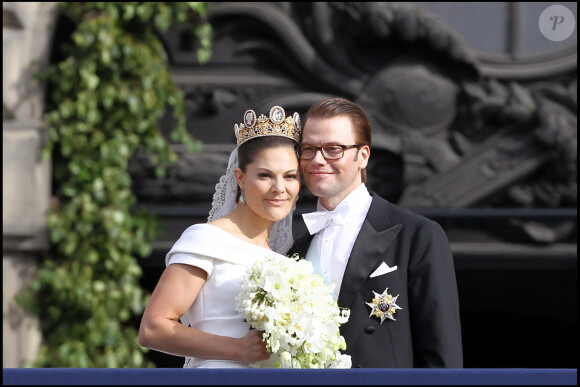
(161, 330)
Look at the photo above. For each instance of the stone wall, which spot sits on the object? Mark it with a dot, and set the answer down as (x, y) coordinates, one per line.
(26, 43)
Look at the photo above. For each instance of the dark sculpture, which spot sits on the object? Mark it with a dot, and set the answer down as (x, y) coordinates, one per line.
(487, 149)
(444, 135)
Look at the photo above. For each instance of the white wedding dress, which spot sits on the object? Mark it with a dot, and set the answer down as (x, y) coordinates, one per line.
(225, 258)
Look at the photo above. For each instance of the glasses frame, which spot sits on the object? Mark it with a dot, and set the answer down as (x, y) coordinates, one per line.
(320, 148)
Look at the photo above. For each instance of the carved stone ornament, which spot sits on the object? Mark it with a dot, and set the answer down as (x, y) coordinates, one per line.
(435, 116)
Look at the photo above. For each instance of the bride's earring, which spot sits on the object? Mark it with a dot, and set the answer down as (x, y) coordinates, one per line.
(242, 198)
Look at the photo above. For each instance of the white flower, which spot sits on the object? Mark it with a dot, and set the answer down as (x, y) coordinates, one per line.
(297, 312)
(314, 337)
(277, 285)
(285, 359)
(343, 361)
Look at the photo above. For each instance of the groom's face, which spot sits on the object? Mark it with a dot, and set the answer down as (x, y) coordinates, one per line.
(332, 180)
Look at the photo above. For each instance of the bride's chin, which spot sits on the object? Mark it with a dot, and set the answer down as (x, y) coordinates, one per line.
(277, 218)
(278, 215)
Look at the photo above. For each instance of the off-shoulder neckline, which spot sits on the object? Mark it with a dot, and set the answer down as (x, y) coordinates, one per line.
(235, 237)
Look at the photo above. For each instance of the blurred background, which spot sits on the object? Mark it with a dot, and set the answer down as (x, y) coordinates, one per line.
(474, 114)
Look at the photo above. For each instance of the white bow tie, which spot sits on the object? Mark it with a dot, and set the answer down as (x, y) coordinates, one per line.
(319, 220)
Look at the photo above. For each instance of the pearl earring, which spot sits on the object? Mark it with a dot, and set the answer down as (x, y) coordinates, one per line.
(242, 198)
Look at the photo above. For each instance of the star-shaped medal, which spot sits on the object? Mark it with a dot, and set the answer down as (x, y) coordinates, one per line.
(383, 305)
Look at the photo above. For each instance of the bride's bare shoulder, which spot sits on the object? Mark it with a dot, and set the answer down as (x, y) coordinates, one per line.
(224, 223)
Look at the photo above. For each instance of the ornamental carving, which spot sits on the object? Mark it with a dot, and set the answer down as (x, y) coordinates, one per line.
(447, 133)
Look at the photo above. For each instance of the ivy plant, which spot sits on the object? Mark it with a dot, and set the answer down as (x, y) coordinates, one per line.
(105, 99)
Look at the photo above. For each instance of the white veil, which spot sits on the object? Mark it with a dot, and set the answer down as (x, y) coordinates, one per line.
(224, 202)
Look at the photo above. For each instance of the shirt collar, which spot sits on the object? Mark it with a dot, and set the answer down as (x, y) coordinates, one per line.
(356, 200)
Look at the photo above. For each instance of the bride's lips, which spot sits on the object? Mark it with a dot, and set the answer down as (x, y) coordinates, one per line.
(277, 202)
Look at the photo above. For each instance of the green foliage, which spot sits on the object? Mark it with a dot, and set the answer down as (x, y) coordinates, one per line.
(106, 98)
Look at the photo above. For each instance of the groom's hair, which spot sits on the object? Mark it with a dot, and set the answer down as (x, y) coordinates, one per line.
(340, 107)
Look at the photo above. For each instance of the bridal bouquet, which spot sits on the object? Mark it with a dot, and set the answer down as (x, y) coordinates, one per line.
(295, 308)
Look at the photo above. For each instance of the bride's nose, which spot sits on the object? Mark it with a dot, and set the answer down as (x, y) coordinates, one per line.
(278, 185)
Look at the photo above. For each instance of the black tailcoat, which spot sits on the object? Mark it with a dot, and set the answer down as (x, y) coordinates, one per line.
(427, 330)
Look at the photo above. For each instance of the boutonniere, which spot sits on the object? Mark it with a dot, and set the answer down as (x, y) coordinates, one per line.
(384, 305)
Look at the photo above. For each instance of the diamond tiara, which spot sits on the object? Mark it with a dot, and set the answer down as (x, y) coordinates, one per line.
(276, 125)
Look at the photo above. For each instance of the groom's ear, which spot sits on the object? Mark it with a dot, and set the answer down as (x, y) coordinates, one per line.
(239, 177)
(365, 154)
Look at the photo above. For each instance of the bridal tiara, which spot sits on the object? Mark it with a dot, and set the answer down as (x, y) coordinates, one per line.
(277, 124)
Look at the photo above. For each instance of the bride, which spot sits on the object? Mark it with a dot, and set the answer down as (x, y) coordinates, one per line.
(205, 265)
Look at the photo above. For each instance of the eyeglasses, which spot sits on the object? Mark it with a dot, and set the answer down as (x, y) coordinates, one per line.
(329, 152)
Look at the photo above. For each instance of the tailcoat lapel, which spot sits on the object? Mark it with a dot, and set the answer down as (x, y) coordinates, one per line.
(301, 245)
(376, 235)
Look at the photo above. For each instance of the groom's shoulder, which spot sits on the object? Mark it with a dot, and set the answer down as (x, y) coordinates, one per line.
(394, 211)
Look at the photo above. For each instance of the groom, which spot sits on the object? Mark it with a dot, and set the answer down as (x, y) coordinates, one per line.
(392, 268)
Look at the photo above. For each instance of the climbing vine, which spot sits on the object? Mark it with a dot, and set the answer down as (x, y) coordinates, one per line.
(104, 102)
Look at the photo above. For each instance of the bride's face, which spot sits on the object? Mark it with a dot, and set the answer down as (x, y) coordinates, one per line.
(271, 182)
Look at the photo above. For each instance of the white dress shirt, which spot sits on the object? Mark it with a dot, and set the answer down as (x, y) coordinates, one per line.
(331, 247)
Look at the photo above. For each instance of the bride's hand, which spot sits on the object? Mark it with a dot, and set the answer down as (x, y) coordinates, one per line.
(253, 348)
